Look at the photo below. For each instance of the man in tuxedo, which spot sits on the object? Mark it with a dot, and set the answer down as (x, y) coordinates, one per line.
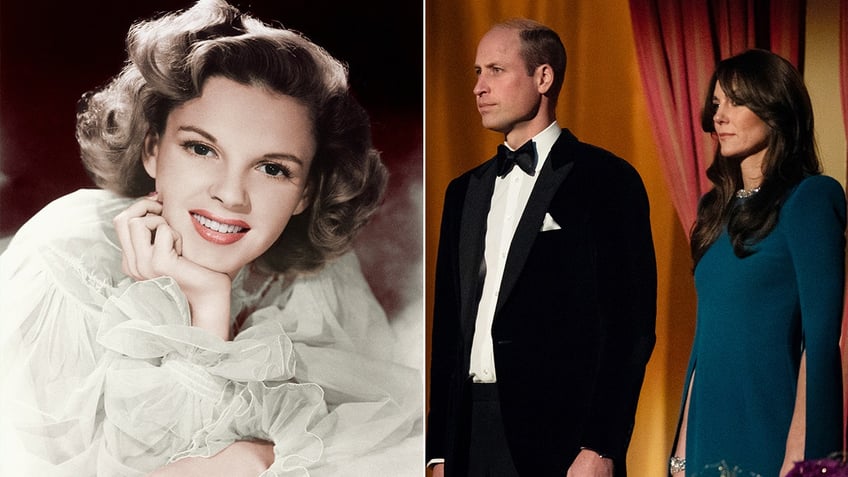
(545, 295)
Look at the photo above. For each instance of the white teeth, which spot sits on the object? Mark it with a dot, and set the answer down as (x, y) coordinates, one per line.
(217, 226)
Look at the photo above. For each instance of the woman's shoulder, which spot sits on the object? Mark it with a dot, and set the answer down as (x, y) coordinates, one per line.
(818, 185)
(84, 214)
(815, 196)
(72, 237)
(816, 189)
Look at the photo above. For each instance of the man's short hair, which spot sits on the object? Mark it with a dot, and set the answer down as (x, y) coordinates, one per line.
(540, 45)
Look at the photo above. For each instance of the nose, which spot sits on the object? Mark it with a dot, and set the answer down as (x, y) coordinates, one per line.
(719, 117)
(229, 189)
(480, 86)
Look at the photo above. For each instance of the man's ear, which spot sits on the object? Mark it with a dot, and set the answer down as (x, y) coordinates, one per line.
(544, 77)
(150, 153)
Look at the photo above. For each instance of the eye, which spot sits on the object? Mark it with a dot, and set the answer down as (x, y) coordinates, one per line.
(199, 149)
(275, 170)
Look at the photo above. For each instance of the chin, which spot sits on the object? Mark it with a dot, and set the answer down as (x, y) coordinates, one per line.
(488, 122)
(217, 263)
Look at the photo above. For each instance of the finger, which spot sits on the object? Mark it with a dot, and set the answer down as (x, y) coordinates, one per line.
(165, 255)
(140, 208)
(164, 241)
(178, 243)
(141, 230)
(121, 222)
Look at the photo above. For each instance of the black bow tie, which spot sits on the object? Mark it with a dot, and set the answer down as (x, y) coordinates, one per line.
(524, 156)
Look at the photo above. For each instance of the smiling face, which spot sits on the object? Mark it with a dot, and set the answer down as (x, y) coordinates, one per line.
(231, 169)
(508, 98)
(741, 133)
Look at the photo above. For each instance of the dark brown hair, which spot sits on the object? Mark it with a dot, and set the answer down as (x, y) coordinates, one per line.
(772, 89)
(540, 45)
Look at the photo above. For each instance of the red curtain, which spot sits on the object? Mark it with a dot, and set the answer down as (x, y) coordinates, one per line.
(678, 44)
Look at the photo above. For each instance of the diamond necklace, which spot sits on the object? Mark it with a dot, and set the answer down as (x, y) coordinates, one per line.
(744, 194)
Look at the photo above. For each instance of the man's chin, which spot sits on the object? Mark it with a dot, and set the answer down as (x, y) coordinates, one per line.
(493, 125)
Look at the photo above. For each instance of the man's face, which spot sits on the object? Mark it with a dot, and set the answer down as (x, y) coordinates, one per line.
(506, 95)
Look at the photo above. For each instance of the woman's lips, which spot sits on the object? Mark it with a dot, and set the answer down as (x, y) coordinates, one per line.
(217, 230)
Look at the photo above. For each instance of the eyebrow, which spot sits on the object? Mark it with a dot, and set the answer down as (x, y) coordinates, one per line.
(273, 155)
(197, 130)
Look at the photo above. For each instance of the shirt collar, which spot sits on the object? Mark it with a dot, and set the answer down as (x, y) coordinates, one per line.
(544, 142)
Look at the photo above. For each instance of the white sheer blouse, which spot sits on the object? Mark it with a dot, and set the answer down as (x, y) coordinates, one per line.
(102, 375)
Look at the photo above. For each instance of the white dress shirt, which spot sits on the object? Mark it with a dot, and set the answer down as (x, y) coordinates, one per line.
(508, 202)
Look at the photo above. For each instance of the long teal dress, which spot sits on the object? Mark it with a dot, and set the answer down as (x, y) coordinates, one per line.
(755, 317)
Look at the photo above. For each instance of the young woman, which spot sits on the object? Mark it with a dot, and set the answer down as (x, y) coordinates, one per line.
(763, 388)
(202, 314)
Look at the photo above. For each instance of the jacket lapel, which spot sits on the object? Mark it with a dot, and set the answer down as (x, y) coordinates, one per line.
(475, 211)
(553, 173)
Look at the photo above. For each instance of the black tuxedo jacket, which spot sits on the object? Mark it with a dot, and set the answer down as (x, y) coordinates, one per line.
(574, 323)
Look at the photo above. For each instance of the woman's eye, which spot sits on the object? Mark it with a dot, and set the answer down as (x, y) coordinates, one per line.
(276, 170)
(200, 149)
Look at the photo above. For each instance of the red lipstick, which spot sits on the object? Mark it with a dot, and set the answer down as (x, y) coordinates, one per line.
(218, 230)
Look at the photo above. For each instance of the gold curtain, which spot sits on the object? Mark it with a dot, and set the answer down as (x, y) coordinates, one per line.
(602, 103)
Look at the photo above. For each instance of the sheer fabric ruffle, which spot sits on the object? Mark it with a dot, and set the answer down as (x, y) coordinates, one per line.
(102, 375)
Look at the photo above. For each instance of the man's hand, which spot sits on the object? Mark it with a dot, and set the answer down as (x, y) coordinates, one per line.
(439, 470)
(589, 464)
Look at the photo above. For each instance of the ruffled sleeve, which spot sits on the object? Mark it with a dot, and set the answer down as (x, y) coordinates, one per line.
(51, 373)
(105, 376)
(343, 343)
(108, 377)
(185, 392)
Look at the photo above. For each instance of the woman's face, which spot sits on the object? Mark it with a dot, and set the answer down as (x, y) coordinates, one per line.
(231, 170)
(741, 133)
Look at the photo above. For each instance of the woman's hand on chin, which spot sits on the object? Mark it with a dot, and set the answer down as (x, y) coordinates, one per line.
(151, 249)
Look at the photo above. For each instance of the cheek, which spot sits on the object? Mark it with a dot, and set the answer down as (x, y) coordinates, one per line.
(756, 132)
(525, 97)
(276, 224)
(279, 213)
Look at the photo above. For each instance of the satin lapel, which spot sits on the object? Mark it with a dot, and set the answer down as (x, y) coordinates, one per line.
(553, 173)
(475, 211)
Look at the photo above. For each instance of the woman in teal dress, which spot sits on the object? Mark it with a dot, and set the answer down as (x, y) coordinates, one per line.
(763, 386)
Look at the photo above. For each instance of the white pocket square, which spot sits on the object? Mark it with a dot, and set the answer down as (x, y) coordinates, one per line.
(549, 223)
